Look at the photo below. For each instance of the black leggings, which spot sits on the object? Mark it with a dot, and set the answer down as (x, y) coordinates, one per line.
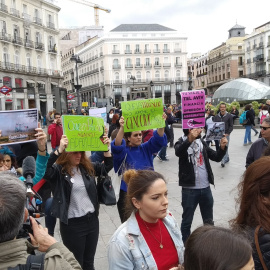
(80, 236)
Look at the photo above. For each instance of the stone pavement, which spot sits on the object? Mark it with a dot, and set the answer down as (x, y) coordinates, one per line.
(224, 192)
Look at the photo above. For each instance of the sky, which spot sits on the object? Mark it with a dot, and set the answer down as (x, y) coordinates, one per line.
(204, 22)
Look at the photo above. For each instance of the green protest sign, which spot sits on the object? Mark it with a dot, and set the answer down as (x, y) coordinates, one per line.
(143, 114)
(84, 133)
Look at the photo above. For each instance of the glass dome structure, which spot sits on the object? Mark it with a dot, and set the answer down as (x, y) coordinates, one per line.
(241, 90)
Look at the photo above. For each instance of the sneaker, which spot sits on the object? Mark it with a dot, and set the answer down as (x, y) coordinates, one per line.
(166, 159)
(159, 157)
(250, 143)
(222, 165)
(245, 144)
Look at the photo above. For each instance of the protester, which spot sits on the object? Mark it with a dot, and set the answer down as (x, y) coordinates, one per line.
(258, 147)
(56, 131)
(162, 154)
(248, 125)
(216, 248)
(12, 214)
(225, 117)
(234, 113)
(49, 118)
(170, 121)
(113, 125)
(75, 201)
(263, 113)
(208, 122)
(195, 176)
(110, 115)
(9, 161)
(254, 201)
(150, 238)
(134, 155)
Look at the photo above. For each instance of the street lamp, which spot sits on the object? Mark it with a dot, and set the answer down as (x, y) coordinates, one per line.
(151, 88)
(132, 78)
(77, 86)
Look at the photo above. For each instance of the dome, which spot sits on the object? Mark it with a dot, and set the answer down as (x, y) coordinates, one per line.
(241, 90)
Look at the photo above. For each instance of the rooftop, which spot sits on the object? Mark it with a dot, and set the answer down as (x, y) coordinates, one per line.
(237, 26)
(141, 28)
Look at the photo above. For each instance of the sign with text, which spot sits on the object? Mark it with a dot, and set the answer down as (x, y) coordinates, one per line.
(18, 126)
(99, 112)
(84, 133)
(193, 109)
(143, 114)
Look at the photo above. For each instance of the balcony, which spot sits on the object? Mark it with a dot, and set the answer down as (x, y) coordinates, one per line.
(17, 40)
(101, 68)
(138, 66)
(26, 16)
(248, 49)
(147, 51)
(156, 51)
(178, 65)
(37, 20)
(28, 43)
(3, 8)
(128, 52)
(95, 70)
(6, 65)
(52, 49)
(157, 65)
(167, 65)
(100, 54)
(42, 71)
(148, 66)
(260, 45)
(129, 66)
(137, 51)
(5, 37)
(166, 51)
(116, 67)
(248, 61)
(30, 69)
(260, 57)
(254, 59)
(115, 51)
(177, 50)
(51, 25)
(254, 46)
(39, 46)
(15, 12)
(261, 73)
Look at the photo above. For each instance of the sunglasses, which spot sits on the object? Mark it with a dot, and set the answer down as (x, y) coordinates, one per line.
(264, 128)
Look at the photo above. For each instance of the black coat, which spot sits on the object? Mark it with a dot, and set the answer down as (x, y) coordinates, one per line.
(186, 169)
(250, 118)
(61, 185)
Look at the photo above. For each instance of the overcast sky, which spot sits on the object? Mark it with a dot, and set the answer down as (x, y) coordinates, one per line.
(204, 23)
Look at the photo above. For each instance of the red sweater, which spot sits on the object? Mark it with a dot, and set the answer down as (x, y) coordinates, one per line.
(166, 257)
(56, 132)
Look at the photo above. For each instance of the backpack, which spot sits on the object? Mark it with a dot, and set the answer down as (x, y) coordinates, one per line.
(243, 118)
(262, 117)
(34, 262)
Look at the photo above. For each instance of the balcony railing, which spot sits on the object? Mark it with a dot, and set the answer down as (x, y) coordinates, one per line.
(15, 12)
(148, 66)
(26, 16)
(17, 40)
(166, 51)
(248, 61)
(101, 68)
(137, 51)
(28, 43)
(128, 52)
(116, 66)
(129, 66)
(147, 51)
(115, 51)
(166, 64)
(157, 65)
(5, 37)
(52, 49)
(37, 20)
(138, 66)
(100, 54)
(156, 51)
(178, 65)
(3, 8)
(260, 57)
(254, 46)
(39, 46)
(177, 50)
(248, 49)
(51, 25)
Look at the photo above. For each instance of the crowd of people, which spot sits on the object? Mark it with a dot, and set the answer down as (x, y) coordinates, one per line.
(149, 236)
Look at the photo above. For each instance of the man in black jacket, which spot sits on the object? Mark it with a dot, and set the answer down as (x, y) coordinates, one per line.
(195, 176)
(224, 116)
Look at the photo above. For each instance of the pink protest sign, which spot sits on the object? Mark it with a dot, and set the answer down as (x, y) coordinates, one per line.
(193, 109)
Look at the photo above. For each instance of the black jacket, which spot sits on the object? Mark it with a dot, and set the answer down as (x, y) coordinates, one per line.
(61, 185)
(227, 119)
(250, 118)
(186, 169)
(255, 151)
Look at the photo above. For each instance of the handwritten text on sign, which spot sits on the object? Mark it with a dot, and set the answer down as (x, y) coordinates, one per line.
(84, 133)
(143, 114)
(193, 109)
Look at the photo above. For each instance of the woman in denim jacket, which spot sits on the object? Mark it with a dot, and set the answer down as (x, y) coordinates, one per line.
(150, 238)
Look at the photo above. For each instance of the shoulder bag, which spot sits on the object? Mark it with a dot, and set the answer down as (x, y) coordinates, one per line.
(258, 247)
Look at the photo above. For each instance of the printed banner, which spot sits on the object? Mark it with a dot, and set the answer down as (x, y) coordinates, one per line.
(99, 112)
(193, 109)
(215, 131)
(18, 126)
(84, 133)
(143, 114)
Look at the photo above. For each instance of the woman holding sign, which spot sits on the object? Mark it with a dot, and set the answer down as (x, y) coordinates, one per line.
(134, 155)
(75, 202)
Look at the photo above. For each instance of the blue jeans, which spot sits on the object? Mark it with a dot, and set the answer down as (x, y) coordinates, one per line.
(97, 156)
(247, 134)
(226, 157)
(50, 221)
(190, 200)
(162, 152)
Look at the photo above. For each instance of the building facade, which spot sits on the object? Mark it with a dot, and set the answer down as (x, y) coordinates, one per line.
(134, 61)
(227, 61)
(257, 54)
(29, 58)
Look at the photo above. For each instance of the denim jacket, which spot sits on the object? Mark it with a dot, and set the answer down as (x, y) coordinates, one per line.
(129, 250)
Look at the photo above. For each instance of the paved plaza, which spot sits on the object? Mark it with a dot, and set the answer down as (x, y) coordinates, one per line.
(224, 192)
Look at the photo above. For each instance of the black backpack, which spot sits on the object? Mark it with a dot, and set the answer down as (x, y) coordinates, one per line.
(34, 262)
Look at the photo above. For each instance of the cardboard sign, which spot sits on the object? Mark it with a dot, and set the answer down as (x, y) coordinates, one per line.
(18, 126)
(99, 112)
(84, 133)
(215, 131)
(84, 104)
(143, 114)
(193, 109)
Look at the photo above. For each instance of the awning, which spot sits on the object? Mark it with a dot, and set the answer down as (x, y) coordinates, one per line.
(30, 81)
(41, 82)
(54, 83)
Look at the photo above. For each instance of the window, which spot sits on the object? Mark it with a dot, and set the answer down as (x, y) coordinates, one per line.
(157, 61)
(166, 75)
(114, 47)
(166, 60)
(51, 42)
(5, 57)
(39, 64)
(16, 32)
(13, 4)
(127, 48)
(147, 62)
(115, 63)
(3, 27)
(177, 60)
(148, 76)
(137, 49)
(24, 8)
(156, 47)
(128, 62)
(38, 38)
(146, 48)
(157, 75)
(138, 62)
(17, 59)
(116, 77)
(138, 76)
(128, 75)
(177, 75)
(165, 48)
(28, 61)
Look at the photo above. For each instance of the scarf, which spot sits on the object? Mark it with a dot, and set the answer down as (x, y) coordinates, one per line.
(194, 152)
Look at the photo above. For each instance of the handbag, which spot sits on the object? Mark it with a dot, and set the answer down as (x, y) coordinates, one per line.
(105, 189)
(258, 247)
(116, 178)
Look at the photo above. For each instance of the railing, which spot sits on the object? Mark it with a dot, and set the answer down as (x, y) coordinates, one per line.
(260, 57)
(115, 51)
(15, 12)
(157, 65)
(5, 37)
(129, 66)
(101, 68)
(156, 51)
(178, 65)
(52, 49)
(3, 8)
(116, 66)
(166, 64)
(37, 20)
(128, 52)
(148, 65)
(100, 54)
(39, 46)
(254, 46)
(29, 43)
(51, 25)
(137, 51)
(177, 50)
(17, 40)
(147, 51)
(138, 66)
(26, 16)
(166, 51)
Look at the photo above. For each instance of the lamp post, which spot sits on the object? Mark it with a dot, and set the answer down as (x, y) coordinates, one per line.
(151, 88)
(133, 78)
(77, 86)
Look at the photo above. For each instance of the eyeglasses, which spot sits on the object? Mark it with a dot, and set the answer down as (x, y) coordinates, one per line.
(264, 128)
